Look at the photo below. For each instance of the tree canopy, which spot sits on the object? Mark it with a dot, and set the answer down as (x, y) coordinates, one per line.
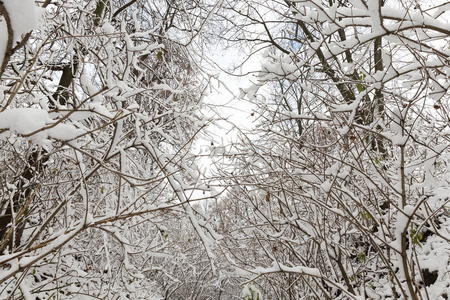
(337, 190)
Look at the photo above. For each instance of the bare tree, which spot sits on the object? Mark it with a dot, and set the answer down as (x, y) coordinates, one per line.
(339, 191)
(100, 106)
(344, 177)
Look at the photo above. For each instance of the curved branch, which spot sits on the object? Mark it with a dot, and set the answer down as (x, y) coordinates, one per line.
(9, 42)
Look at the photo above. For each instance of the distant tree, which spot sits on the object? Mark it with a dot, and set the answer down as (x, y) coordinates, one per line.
(344, 177)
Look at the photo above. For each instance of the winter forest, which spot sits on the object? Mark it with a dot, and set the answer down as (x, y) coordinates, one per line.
(224, 149)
